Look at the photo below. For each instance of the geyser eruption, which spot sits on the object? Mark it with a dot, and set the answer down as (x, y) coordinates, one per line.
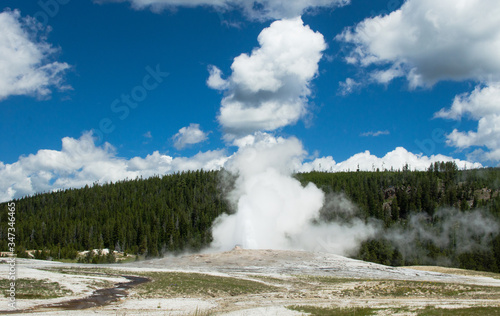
(267, 90)
(271, 205)
(273, 209)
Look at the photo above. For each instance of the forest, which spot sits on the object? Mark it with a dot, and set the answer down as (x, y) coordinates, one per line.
(440, 197)
(148, 217)
(174, 213)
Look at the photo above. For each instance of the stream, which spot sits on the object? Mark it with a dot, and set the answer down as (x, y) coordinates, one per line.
(99, 298)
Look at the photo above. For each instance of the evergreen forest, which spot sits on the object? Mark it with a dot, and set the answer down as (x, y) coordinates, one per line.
(174, 213)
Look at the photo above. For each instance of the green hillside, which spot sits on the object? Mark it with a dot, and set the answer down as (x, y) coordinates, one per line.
(440, 196)
(172, 213)
(143, 216)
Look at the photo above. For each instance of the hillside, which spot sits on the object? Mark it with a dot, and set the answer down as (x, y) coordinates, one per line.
(173, 213)
(142, 216)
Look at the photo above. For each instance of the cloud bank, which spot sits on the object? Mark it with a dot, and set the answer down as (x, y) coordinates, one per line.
(254, 10)
(396, 159)
(80, 162)
(269, 88)
(26, 58)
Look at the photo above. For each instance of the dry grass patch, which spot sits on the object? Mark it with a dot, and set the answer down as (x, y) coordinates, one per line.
(334, 311)
(177, 284)
(35, 289)
(414, 289)
(483, 311)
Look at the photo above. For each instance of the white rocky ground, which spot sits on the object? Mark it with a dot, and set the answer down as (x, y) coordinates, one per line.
(272, 262)
(283, 266)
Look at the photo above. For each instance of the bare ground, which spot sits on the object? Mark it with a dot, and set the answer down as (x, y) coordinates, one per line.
(260, 282)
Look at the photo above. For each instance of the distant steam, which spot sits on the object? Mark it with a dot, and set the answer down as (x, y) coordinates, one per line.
(449, 228)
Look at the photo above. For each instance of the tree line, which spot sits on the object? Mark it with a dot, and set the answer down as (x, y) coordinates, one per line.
(147, 217)
(394, 197)
(174, 213)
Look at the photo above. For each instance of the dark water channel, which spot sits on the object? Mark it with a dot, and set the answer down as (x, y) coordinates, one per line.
(99, 298)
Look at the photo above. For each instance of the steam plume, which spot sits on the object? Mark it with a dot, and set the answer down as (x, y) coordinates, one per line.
(273, 209)
(267, 90)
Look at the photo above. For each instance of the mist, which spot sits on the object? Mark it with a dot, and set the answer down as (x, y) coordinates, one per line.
(456, 231)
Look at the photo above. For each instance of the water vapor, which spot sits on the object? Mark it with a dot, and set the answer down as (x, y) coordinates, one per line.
(274, 211)
(450, 229)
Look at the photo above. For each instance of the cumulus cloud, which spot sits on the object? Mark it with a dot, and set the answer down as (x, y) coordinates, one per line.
(482, 105)
(215, 80)
(269, 88)
(487, 134)
(26, 58)
(483, 101)
(427, 41)
(395, 159)
(365, 161)
(189, 135)
(278, 9)
(80, 162)
(254, 10)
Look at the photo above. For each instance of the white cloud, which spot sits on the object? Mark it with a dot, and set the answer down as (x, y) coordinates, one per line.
(80, 162)
(215, 80)
(427, 41)
(269, 88)
(482, 105)
(189, 135)
(375, 134)
(348, 86)
(487, 134)
(395, 159)
(26, 66)
(148, 134)
(254, 10)
(483, 101)
(279, 9)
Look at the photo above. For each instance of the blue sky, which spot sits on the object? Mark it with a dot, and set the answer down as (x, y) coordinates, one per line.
(98, 52)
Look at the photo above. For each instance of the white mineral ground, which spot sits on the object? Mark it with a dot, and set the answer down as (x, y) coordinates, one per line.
(253, 265)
